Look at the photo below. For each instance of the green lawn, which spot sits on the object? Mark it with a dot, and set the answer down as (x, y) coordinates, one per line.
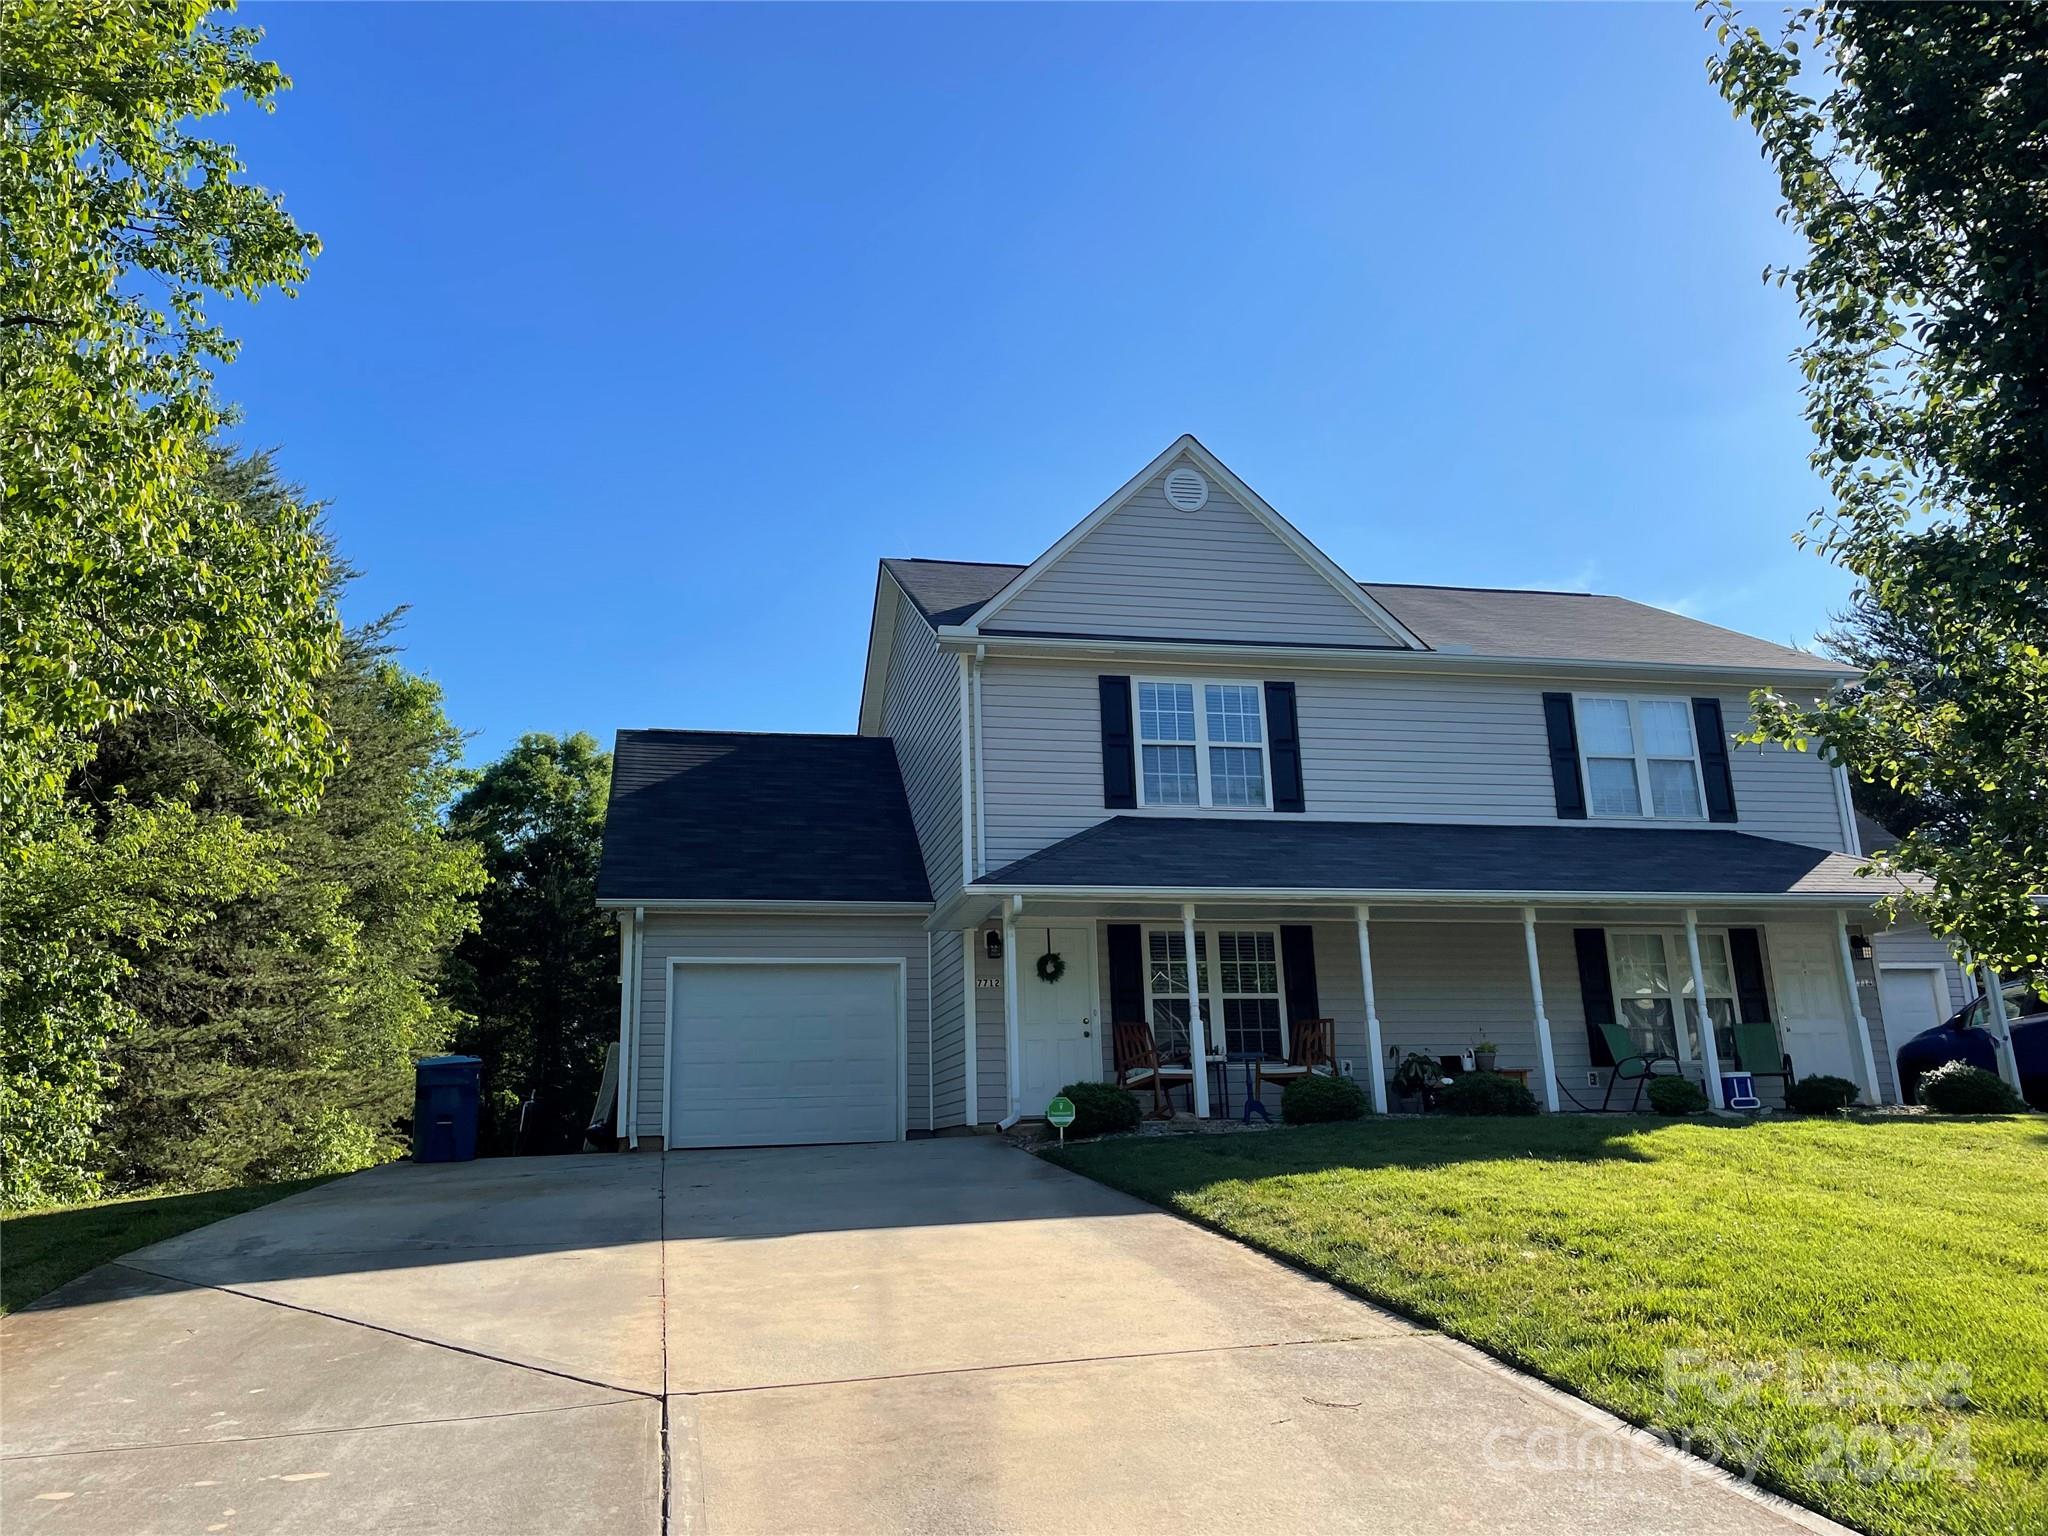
(40, 1250)
(1586, 1249)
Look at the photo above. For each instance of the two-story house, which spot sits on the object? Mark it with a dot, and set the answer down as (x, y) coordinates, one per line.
(1434, 815)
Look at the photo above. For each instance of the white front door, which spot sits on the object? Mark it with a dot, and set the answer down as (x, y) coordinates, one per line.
(1813, 1016)
(1914, 997)
(1056, 1031)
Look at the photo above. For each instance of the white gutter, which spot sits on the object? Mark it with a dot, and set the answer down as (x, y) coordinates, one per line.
(1397, 897)
(712, 904)
(1382, 658)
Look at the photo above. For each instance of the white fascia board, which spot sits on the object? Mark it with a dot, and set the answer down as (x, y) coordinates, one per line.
(827, 908)
(1386, 659)
(1212, 894)
(874, 682)
(1186, 444)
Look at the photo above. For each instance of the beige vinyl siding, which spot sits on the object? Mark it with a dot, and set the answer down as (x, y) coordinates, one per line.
(921, 714)
(1374, 748)
(948, 1047)
(1149, 569)
(777, 936)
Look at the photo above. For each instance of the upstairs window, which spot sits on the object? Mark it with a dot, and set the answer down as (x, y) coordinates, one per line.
(1211, 755)
(1640, 758)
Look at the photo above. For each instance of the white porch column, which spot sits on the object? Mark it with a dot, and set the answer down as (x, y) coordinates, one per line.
(1710, 1048)
(2001, 1024)
(1377, 1065)
(1198, 1047)
(1856, 1018)
(1013, 1071)
(1543, 1050)
(970, 1054)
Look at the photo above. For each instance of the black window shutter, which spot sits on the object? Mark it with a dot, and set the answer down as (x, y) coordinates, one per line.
(1706, 724)
(1126, 974)
(1746, 956)
(1596, 990)
(1564, 756)
(1298, 969)
(1283, 747)
(1119, 772)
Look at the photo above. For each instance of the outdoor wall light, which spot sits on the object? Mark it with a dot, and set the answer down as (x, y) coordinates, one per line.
(992, 942)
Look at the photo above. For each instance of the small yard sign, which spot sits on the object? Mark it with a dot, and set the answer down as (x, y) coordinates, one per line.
(1060, 1114)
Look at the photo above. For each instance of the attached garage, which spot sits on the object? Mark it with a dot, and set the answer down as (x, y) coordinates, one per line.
(774, 968)
(785, 1052)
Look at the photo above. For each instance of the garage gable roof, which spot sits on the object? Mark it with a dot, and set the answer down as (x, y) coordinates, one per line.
(718, 816)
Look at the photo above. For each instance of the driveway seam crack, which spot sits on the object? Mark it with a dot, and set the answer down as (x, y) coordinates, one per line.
(1415, 1337)
(325, 1429)
(396, 1333)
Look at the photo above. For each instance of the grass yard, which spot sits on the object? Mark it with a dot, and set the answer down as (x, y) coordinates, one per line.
(1794, 1256)
(40, 1250)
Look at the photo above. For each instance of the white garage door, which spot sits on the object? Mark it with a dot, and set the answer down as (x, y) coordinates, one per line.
(779, 1053)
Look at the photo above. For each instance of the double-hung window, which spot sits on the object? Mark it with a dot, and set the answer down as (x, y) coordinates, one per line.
(1653, 993)
(1241, 1000)
(1640, 758)
(1202, 744)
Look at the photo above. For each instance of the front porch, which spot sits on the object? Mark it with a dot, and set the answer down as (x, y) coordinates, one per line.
(1562, 990)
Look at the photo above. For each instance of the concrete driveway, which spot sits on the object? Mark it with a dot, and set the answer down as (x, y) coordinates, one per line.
(939, 1336)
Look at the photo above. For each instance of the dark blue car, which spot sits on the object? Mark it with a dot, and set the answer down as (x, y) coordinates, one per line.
(1966, 1037)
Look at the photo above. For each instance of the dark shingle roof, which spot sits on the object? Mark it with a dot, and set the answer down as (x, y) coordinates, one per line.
(1189, 853)
(732, 816)
(1479, 621)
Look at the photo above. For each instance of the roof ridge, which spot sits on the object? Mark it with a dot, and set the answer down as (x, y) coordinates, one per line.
(712, 730)
(1453, 586)
(935, 560)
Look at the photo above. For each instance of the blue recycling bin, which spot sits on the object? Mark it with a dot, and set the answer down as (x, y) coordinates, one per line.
(446, 1092)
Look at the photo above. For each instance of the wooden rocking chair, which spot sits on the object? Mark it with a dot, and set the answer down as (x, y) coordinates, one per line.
(1312, 1048)
(1138, 1066)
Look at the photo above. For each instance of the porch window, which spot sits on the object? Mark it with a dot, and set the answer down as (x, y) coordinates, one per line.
(1653, 982)
(1638, 753)
(1243, 1013)
(1213, 756)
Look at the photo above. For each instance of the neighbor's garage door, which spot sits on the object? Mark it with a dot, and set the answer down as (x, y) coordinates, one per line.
(777, 1053)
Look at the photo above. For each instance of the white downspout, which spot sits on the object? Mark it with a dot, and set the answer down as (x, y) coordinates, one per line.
(966, 781)
(630, 1076)
(1012, 1073)
(980, 774)
(625, 1023)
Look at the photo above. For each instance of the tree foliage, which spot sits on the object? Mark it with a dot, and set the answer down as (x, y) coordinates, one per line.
(130, 581)
(134, 580)
(539, 978)
(1910, 147)
(277, 1041)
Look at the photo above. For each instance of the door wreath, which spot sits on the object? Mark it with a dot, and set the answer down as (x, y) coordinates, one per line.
(1051, 965)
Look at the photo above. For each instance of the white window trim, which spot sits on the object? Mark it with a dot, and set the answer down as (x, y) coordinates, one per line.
(1212, 999)
(1679, 976)
(1643, 757)
(1205, 796)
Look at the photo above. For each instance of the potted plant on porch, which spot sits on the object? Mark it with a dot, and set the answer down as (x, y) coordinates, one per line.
(1484, 1055)
(1413, 1077)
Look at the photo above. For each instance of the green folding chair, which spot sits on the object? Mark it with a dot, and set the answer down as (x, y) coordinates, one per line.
(1758, 1052)
(1632, 1065)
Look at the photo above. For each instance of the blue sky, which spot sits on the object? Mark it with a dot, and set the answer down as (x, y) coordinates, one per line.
(642, 332)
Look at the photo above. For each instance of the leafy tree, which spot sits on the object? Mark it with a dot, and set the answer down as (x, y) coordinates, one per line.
(539, 977)
(132, 580)
(277, 1041)
(1916, 173)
